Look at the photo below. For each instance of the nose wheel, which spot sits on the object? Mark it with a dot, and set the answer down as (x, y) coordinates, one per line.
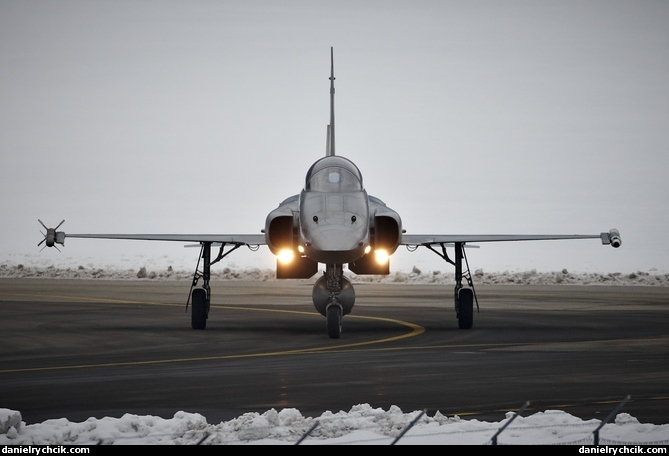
(333, 315)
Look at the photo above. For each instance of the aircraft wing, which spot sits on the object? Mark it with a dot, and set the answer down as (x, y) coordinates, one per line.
(612, 237)
(241, 239)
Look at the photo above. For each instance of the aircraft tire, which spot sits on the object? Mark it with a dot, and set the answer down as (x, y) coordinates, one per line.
(199, 309)
(333, 316)
(465, 308)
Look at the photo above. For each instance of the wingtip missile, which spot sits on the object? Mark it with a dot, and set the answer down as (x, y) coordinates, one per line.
(612, 238)
(52, 237)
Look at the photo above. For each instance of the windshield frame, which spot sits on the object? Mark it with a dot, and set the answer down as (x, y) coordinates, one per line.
(334, 174)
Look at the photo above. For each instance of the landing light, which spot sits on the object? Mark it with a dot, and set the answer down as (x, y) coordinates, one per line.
(285, 256)
(381, 256)
(367, 249)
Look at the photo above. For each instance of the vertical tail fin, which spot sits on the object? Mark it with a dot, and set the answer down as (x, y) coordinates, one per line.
(330, 145)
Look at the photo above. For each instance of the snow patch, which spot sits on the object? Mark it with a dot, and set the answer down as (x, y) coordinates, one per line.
(362, 424)
(10, 269)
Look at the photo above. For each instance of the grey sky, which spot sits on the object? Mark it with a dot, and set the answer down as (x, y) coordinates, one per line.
(465, 117)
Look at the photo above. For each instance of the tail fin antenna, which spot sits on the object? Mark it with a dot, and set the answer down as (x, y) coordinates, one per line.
(330, 147)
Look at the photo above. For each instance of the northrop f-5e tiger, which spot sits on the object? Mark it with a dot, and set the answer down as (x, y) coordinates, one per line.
(332, 221)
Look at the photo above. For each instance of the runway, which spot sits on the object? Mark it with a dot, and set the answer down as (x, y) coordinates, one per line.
(94, 348)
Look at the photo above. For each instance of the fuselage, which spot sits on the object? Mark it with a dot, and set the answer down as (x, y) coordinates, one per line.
(334, 212)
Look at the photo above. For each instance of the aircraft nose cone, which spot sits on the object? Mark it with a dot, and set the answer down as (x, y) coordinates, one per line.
(335, 244)
(335, 238)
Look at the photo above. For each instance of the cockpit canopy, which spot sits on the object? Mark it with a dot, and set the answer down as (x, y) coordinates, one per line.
(334, 174)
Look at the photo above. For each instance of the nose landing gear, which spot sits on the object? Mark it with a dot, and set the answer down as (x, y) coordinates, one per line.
(333, 296)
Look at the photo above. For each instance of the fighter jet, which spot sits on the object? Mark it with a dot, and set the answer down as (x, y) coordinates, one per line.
(332, 221)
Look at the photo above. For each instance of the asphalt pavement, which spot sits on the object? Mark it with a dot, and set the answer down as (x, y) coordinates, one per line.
(91, 348)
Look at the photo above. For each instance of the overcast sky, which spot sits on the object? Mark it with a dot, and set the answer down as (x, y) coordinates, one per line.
(498, 117)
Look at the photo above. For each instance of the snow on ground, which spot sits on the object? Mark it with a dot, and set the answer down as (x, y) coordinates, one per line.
(153, 270)
(362, 425)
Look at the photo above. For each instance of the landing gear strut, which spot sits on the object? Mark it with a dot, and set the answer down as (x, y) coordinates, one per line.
(464, 297)
(333, 296)
(201, 297)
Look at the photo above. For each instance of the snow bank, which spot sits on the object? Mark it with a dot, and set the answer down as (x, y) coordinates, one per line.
(10, 269)
(362, 425)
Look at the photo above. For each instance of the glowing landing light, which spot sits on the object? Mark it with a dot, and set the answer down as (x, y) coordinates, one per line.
(285, 256)
(381, 256)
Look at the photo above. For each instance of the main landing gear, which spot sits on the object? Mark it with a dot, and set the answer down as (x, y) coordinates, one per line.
(201, 297)
(464, 297)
